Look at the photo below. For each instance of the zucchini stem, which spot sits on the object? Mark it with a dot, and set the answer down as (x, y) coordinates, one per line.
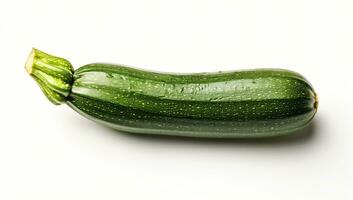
(54, 75)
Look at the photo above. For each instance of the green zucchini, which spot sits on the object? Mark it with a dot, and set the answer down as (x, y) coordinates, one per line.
(236, 104)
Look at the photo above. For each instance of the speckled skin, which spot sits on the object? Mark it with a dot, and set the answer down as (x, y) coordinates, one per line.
(238, 104)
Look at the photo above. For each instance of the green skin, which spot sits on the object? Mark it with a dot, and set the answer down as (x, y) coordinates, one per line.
(238, 104)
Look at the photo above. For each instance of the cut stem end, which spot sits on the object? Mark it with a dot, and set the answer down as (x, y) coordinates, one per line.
(29, 62)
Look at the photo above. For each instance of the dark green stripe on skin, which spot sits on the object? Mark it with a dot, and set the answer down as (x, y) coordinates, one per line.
(137, 121)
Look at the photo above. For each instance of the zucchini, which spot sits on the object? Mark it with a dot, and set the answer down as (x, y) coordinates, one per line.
(236, 104)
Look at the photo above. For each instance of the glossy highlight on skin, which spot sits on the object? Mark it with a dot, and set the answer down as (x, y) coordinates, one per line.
(236, 104)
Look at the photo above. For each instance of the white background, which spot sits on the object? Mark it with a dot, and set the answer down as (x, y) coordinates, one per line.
(50, 152)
